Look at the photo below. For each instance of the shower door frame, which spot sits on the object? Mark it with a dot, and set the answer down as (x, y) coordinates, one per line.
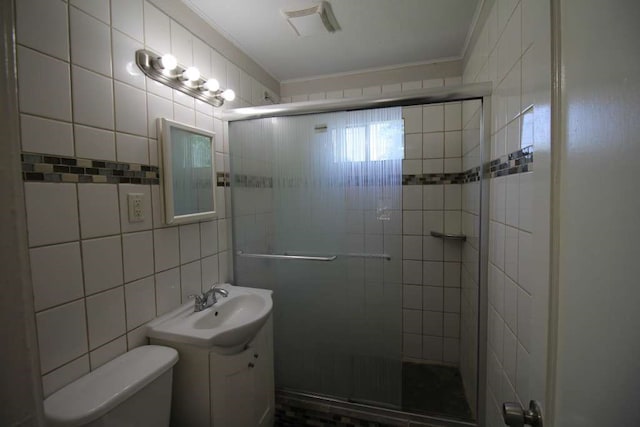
(475, 91)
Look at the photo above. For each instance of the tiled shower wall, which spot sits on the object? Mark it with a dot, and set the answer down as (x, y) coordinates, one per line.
(431, 266)
(513, 53)
(86, 111)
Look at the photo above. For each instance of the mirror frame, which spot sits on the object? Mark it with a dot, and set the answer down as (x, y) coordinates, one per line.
(166, 175)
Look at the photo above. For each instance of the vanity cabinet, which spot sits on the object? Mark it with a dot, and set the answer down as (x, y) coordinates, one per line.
(242, 385)
(214, 389)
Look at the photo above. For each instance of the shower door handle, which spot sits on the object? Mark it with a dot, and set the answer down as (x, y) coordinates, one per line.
(516, 416)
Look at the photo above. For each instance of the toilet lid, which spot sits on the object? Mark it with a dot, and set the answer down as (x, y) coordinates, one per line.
(93, 395)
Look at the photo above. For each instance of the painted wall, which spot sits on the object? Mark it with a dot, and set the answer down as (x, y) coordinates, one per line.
(512, 51)
(598, 339)
(97, 278)
(20, 384)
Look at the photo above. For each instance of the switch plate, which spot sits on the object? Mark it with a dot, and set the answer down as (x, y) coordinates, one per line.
(136, 207)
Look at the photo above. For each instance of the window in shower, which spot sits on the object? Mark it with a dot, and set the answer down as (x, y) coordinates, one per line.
(371, 142)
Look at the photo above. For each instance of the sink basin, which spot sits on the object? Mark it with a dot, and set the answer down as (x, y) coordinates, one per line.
(231, 322)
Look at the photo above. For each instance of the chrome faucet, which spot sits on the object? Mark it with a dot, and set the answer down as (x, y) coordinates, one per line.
(208, 298)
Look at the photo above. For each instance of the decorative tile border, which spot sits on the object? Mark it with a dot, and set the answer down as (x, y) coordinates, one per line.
(47, 168)
(222, 179)
(517, 162)
(252, 181)
(470, 175)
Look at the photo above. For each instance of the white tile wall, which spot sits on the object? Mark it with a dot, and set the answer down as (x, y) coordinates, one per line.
(62, 335)
(105, 317)
(137, 296)
(41, 135)
(506, 54)
(98, 277)
(98, 207)
(102, 263)
(47, 201)
(90, 39)
(137, 251)
(124, 68)
(92, 99)
(102, 355)
(427, 268)
(127, 16)
(56, 274)
(44, 27)
(44, 94)
(94, 143)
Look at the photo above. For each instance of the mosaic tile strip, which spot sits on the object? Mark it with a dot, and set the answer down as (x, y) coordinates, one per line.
(252, 181)
(47, 168)
(222, 179)
(517, 162)
(470, 175)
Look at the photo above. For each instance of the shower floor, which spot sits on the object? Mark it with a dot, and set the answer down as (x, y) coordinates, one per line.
(434, 390)
(428, 390)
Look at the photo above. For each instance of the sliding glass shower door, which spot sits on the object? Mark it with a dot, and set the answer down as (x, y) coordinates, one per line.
(317, 218)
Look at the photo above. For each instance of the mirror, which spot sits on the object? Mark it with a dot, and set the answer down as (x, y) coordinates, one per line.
(188, 172)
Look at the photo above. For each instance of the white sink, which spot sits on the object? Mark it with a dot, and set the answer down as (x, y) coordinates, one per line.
(231, 322)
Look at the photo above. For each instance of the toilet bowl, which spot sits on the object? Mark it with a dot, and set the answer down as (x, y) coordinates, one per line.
(132, 390)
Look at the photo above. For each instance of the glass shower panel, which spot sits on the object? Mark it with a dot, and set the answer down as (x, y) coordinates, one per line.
(325, 185)
(470, 267)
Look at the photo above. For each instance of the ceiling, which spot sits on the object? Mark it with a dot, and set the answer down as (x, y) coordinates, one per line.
(374, 33)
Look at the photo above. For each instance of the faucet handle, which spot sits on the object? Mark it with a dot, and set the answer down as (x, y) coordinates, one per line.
(198, 298)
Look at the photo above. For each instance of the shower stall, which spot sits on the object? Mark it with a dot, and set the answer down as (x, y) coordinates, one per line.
(365, 219)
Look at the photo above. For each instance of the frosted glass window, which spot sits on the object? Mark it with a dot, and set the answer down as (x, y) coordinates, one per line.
(371, 142)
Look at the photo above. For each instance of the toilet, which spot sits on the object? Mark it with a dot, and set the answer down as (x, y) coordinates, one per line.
(132, 390)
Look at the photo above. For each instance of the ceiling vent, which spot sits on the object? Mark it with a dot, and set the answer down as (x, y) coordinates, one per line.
(313, 20)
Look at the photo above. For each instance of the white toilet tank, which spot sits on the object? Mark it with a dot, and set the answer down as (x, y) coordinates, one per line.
(133, 390)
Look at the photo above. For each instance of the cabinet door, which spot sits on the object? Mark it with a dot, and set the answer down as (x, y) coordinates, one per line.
(233, 390)
(242, 385)
(262, 348)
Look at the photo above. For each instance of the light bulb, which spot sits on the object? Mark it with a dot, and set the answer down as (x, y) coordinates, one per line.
(192, 74)
(229, 95)
(212, 85)
(168, 62)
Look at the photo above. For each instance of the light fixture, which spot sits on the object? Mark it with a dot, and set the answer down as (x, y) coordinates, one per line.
(229, 95)
(212, 85)
(191, 74)
(168, 62)
(166, 70)
(313, 20)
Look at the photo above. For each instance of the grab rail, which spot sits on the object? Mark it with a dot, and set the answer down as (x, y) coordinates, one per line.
(449, 236)
(311, 258)
(358, 255)
(297, 257)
